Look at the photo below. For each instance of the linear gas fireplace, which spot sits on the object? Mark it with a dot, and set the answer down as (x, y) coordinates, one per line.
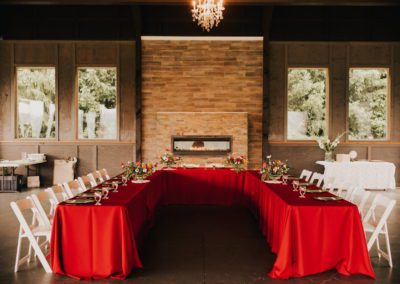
(201, 145)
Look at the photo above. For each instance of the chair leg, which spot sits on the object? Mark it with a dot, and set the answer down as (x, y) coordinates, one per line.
(18, 251)
(378, 247)
(39, 254)
(29, 253)
(389, 252)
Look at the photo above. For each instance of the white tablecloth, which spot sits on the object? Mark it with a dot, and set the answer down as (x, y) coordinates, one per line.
(363, 174)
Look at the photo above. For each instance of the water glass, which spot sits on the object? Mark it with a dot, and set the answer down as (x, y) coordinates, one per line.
(104, 191)
(124, 180)
(302, 192)
(97, 197)
(285, 179)
(295, 185)
(115, 186)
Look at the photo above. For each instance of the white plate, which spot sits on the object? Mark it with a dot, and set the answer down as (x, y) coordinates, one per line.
(141, 181)
(272, 181)
(328, 198)
(191, 166)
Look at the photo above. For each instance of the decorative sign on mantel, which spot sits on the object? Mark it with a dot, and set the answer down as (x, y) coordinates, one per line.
(201, 145)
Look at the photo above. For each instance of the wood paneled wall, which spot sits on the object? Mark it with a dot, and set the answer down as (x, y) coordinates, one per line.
(66, 56)
(338, 57)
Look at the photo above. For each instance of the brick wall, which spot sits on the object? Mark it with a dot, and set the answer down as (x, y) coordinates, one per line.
(201, 76)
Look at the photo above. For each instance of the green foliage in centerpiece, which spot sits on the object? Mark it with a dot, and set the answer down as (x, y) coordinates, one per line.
(236, 161)
(168, 158)
(329, 146)
(273, 169)
(138, 170)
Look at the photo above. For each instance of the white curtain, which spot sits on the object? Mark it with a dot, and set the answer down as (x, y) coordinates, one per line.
(52, 110)
(108, 122)
(91, 124)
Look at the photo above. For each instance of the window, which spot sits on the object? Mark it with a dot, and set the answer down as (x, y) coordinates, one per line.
(368, 94)
(36, 102)
(97, 101)
(306, 106)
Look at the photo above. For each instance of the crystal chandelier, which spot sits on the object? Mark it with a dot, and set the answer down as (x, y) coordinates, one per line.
(207, 13)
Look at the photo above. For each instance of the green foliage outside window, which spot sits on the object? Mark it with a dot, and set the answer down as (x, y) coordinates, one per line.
(306, 103)
(36, 102)
(97, 99)
(368, 104)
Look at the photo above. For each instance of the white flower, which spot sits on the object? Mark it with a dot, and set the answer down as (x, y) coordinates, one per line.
(145, 170)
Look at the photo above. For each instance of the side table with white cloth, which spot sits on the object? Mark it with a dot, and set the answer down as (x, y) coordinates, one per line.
(12, 165)
(377, 175)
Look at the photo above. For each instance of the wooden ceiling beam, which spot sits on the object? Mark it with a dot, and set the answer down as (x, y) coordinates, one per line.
(188, 2)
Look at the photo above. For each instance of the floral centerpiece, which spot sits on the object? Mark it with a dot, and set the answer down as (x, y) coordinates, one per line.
(329, 146)
(236, 161)
(273, 169)
(138, 171)
(168, 158)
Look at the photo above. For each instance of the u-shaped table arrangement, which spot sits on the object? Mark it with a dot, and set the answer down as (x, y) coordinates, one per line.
(308, 236)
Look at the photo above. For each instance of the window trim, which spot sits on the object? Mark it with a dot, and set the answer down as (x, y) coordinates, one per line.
(327, 101)
(76, 101)
(15, 101)
(388, 103)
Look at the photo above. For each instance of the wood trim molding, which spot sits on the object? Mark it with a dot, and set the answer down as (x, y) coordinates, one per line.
(310, 143)
(55, 142)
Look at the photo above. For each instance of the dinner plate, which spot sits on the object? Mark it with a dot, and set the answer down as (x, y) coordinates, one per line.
(141, 181)
(219, 166)
(316, 190)
(272, 181)
(191, 166)
(110, 183)
(79, 201)
(328, 198)
(86, 195)
(293, 178)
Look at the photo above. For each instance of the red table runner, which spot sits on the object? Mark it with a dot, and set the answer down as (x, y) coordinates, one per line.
(308, 236)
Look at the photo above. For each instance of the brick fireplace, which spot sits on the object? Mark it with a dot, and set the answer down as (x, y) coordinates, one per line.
(202, 86)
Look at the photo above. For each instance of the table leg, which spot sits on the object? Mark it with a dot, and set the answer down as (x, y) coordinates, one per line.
(2, 182)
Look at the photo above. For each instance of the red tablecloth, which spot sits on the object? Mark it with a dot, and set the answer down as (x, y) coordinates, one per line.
(308, 236)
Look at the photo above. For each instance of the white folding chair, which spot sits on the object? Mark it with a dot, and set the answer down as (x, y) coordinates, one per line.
(359, 197)
(73, 188)
(58, 193)
(32, 232)
(96, 178)
(86, 182)
(104, 174)
(379, 227)
(306, 175)
(42, 199)
(344, 190)
(317, 178)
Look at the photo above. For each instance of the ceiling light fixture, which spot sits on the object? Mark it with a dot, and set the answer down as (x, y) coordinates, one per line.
(207, 13)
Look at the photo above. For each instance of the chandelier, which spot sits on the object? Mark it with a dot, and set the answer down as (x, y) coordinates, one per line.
(208, 13)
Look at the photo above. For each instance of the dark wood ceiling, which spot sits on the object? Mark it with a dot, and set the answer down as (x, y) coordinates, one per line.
(187, 2)
(288, 23)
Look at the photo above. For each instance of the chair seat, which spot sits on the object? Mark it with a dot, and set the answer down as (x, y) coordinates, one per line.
(39, 231)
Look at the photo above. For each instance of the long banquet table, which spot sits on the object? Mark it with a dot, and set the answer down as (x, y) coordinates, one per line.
(308, 236)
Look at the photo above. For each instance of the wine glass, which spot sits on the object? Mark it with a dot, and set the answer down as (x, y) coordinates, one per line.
(285, 178)
(104, 191)
(115, 186)
(295, 185)
(124, 180)
(97, 197)
(302, 192)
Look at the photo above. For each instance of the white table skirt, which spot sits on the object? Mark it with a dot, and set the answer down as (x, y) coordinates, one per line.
(362, 174)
